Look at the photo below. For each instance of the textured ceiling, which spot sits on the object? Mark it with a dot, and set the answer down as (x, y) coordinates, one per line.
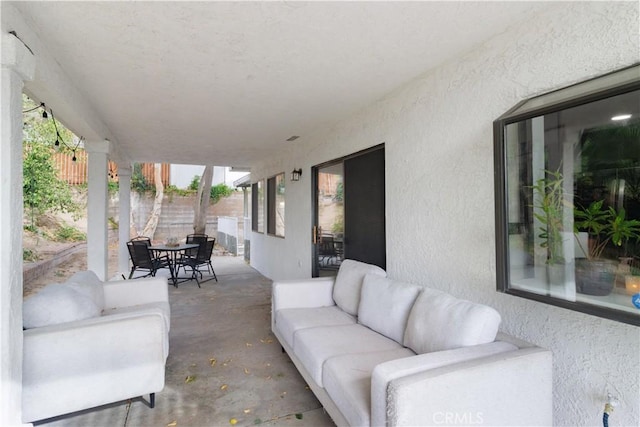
(227, 83)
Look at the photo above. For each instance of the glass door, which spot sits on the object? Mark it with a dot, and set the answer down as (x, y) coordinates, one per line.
(349, 211)
(328, 227)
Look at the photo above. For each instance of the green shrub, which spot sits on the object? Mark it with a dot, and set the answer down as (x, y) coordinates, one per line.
(219, 191)
(138, 182)
(195, 182)
(29, 255)
(172, 189)
(70, 234)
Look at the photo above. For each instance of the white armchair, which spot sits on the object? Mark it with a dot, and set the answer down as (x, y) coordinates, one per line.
(118, 354)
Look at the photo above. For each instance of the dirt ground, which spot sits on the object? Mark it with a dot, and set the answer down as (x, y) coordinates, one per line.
(45, 243)
(60, 273)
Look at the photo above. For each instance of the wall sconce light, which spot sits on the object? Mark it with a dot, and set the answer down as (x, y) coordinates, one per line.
(295, 174)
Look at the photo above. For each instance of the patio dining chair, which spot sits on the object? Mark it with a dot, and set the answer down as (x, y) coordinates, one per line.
(194, 238)
(143, 258)
(202, 258)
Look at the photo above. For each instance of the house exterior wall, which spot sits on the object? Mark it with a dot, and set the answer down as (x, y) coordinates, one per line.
(438, 140)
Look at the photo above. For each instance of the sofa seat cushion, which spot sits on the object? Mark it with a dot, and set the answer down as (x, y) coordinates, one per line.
(160, 307)
(346, 289)
(347, 380)
(289, 320)
(439, 321)
(314, 346)
(57, 303)
(385, 305)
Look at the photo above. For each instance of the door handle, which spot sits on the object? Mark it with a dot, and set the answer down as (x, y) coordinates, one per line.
(314, 235)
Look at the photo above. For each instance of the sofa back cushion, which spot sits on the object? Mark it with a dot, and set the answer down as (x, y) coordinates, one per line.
(346, 290)
(439, 321)
(87, 283)
(385, 305)
(57, 303)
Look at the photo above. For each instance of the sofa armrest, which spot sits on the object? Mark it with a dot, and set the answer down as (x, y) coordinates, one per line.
(115, 357)
(316, 292)
(126, 293)
(512, 388)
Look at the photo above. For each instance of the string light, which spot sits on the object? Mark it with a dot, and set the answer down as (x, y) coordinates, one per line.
(44, 110)
(112, 171)
(59, 140)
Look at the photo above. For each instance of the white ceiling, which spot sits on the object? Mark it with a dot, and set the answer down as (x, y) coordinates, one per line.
(226, 83)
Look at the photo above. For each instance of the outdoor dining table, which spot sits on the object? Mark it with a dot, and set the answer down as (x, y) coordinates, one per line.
(173, 252)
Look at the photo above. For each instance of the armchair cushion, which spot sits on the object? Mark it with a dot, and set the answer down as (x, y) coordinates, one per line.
(87, 283)
(58, 303)
(439, 321)
(385, 305)
(346, 290)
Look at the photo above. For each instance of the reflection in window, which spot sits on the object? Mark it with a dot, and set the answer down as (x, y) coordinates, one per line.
(257, 207)
(275, 205)
(330, 233)
(569, 203)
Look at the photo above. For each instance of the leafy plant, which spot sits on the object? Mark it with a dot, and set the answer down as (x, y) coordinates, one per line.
(43, 190)
(195, 183)
(172, 189)
(339, 197)
(29, 255)
(138, 181)
(604, 226)
(70, 234)
(549, 204)
(219, 191)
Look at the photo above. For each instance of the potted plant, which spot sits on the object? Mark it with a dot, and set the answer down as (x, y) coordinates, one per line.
(549, 204)
(595, 274)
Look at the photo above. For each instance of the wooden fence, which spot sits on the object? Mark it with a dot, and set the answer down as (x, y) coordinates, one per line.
(75, 172)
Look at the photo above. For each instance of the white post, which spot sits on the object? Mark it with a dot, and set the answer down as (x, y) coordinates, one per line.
(124, 220)
(98, 196)
(18, 65)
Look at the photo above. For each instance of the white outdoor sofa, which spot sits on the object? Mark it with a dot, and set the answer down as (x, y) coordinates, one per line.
(89, 343)
(379, 352)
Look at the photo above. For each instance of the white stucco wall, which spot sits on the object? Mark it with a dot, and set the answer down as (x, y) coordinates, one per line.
(440, 194)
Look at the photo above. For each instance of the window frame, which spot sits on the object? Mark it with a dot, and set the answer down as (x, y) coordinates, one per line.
(599, 88)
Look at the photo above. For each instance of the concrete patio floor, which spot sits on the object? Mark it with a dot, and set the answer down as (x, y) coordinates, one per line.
(224, 363)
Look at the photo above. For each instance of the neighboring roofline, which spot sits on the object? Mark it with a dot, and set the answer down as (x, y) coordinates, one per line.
(243, 182)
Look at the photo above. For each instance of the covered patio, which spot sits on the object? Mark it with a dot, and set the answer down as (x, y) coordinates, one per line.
(282, 86)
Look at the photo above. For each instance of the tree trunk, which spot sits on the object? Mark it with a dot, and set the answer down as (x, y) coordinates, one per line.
(152, 223)
(202, 201)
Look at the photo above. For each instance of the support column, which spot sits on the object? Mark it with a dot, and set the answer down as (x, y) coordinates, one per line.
(98, 196)
(124, 221)
(18, 65)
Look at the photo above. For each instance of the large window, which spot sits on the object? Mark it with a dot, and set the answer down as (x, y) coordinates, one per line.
(275, 205)
(257, 207)
(568, 197)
